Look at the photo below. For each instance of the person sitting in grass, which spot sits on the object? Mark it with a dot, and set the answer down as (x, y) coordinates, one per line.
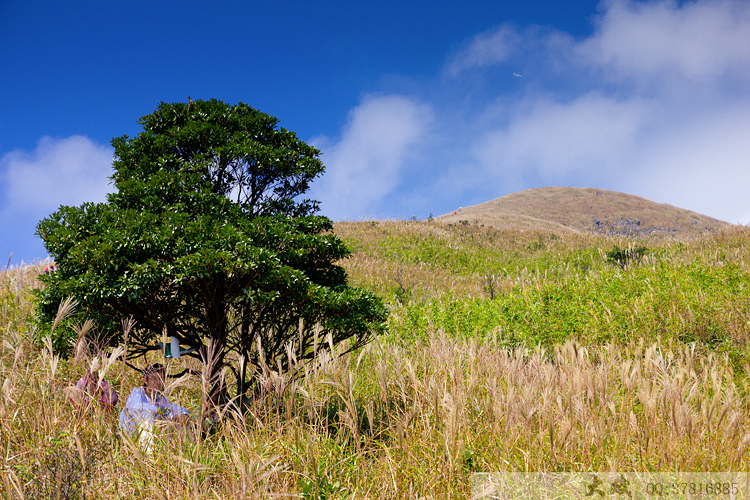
(148, 410)
(89, 387)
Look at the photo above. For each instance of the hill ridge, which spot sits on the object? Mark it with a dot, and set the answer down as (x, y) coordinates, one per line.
(590, 210)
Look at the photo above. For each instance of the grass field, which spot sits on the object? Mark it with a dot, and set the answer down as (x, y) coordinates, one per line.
(506, 351)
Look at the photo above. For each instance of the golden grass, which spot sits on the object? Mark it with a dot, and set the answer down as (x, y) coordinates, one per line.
(564, 209)
(397, 419)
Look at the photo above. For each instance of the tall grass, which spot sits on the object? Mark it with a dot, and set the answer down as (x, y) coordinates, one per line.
(459, 385)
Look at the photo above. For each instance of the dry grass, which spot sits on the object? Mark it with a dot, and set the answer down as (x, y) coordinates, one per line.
(397, 422)
(400, 418)
(564, 209)
(16, 284)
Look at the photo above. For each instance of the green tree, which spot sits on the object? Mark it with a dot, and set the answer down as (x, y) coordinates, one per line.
(207, 238)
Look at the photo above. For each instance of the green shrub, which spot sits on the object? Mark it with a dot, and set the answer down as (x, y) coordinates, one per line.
(623, 257)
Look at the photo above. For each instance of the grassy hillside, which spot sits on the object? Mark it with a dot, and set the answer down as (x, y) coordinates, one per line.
(566, 209)
(513, 350)
(536, 287)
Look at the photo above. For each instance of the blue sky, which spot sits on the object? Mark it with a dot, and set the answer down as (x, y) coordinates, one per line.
(418, 107)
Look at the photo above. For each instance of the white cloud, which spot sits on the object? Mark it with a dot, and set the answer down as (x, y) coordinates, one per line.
(367, 163)
(58, 172)
(702, 164)
(33, 184)
(701, 40)
(553, 141)
(486, 49)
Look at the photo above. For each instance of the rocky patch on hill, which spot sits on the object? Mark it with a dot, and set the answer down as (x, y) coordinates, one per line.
(628, 227)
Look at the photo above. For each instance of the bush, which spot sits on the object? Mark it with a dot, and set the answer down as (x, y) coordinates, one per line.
(623, 257)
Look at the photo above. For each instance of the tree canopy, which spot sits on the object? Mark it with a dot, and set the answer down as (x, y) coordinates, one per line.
(208, 238)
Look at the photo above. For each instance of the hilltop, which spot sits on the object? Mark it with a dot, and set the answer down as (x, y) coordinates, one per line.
(587, 210)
